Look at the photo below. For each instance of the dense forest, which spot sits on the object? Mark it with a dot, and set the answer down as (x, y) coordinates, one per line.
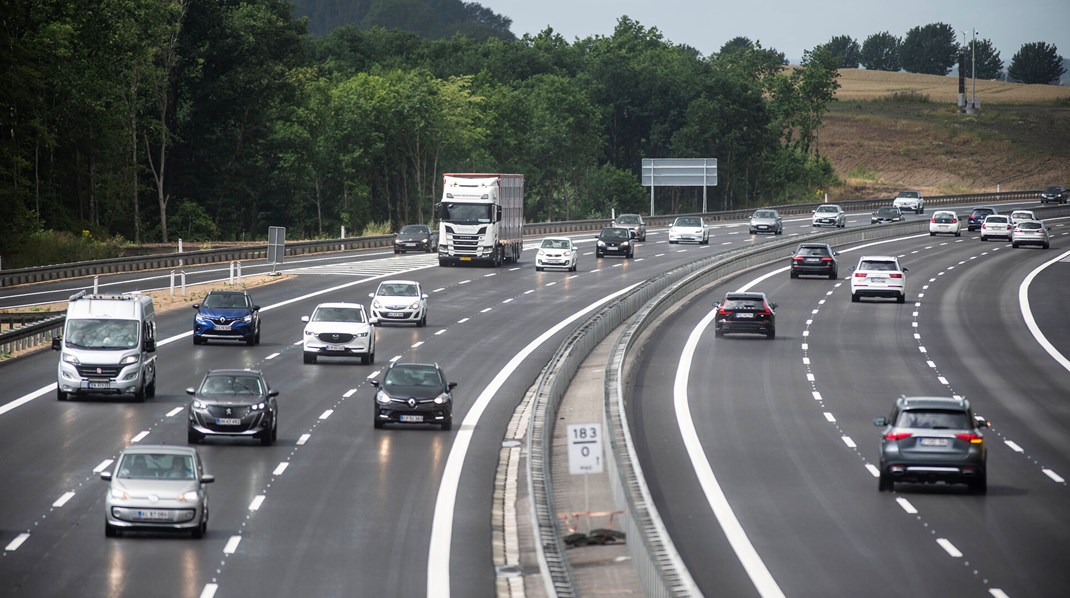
(151, 120)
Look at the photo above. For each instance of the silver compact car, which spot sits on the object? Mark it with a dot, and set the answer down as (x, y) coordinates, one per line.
(634, 223)
(933, 439)
(399, 301)
(233, 403)
(829, 215)
(766, 221)
(156, 487)
(1030, 232)
(557, 252)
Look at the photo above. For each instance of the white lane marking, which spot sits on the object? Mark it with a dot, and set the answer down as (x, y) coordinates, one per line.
(1054, 476)
(175, 411)
(272, 356)
(301, 440)
(349, 393)
(483, 311)
(395, 358)
(438, 553)
(1014, 446)
(1027, 313)
(942, 380)
(848, 441)
(509, 300)
(949, 547)
(746, 553)
(923, 349)
(932, 364)
(106, 463)
(909, 508)
(806, 361)
(299, 342)
(255, 505)
(998, 593)
(281, 468)
(443, 331)
(232, 545)
(209, 590)
(374, 374)
(14, 544)
(462, 320)
(805, 346)
(465, 281)
(831, 418)
(63, 499)
(873, 470)
(140, 436)
(489, 275)
(417, 344)
(326, 414)
(810, 377)
(529, 292)
(439, 289)
(817, 395)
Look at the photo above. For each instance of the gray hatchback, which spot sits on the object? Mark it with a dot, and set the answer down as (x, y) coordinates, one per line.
(933, 439)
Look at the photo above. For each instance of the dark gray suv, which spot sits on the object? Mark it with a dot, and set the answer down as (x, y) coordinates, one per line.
(933, 439)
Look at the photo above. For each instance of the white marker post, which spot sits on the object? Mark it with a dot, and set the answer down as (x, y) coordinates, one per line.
(585, 456)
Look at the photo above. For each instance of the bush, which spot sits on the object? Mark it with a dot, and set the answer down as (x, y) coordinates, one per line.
(50, 247)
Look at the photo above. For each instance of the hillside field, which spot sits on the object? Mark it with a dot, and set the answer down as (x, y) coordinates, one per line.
(889, 131)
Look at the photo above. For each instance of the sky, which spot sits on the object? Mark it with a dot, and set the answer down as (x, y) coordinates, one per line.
(792, 26)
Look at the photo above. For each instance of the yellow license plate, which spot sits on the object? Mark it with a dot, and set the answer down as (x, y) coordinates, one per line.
(466, 259)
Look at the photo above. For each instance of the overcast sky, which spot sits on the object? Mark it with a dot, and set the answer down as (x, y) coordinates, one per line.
(792, 26)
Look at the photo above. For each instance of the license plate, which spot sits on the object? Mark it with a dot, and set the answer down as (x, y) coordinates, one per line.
(395, 314)
(222, 326)
(335, 348)
(744, 315)
(100, 385)
(412, 419)
(878, 279)
(933, 442)
(153, 516)
(466, 259)
(227, 421)
(812, 260)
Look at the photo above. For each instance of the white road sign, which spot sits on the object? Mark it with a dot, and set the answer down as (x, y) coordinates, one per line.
(584, 448)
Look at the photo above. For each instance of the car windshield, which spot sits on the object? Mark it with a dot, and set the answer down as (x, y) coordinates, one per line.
(997, 219)
(878, 265)
(397, 290)
(764, 214)
(983, 212)
(103, 335)
(806, 251)
(888, 212)
(415, 229)
(824, 209)
(743, 304)
(687, 222)
(413, 376)
(338, 314)
(934, 419)
(615, 234)
(556, 244)
(628, 219)
(909, 194)
(225, 384)
(1053, 189)
(228, 300)
(156, 466)
(944, 217)
(1029, 225)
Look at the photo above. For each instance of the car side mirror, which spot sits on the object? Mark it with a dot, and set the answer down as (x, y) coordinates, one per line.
(906, 269)
(207, 478)
(105, 475)
(371, 294)
(424, 296)
(304, 319)
(451, 385)
(273, 393)
(150, 346)
(773, 306)
(256, 308)
(880, 422)
(191, 391)
(373, 321)
(57, 343)
(196, 306)
(981, 421)
(374, 383)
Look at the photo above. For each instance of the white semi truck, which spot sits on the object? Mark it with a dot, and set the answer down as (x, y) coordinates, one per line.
(481, 219)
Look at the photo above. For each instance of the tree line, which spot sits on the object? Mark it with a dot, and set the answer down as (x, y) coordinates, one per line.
(934, 49)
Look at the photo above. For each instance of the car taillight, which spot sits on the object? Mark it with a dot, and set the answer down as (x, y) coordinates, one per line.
(860, 274)
(896, 275)
(954, 221)
(933, 220)
(896, 435)
(797, 258)
(826, 259)
(972, 438)
(723, 312)
(984, 225)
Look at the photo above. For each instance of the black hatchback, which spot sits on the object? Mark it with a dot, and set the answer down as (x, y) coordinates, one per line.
(814, 258)
(615, 240)
(414, 393)
(747, 313)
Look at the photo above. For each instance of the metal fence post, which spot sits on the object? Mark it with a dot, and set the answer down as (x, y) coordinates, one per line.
(183, 274)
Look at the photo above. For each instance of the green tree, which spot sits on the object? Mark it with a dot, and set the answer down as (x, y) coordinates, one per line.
(846, 49)
(984, 57)
(1036, 62)
(929, 50)
(880, 52)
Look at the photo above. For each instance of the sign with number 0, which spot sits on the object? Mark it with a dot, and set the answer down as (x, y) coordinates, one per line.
(584, 448)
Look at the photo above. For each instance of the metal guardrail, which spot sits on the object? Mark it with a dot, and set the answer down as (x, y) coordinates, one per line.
(27, 336)
(255, 252)
(660, 569)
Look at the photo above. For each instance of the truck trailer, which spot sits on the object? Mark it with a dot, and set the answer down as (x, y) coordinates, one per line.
(481, 219)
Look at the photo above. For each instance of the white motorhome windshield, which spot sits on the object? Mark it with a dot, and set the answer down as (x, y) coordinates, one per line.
(466, 213)
(103, 335)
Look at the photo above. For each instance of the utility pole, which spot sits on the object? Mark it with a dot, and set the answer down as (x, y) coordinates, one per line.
(973, 66)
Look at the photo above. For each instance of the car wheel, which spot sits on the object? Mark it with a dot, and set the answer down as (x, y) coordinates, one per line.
(794, 274)
(266, 438)
(1045, 246)
(258, 335)
(1014, 245)
(199, 531)
(139, 394)
(958, 233)
(752, 231)
(198, 340)
(600, 255)
(192, 436)
(718, 334)
(60, 395)
(423, 321)
(932, 234)
(573, 268)
(885, 484)
(364, 359)
(378, 424)
(447, 424)
(150, 391)
(780, 231)
(980, 485)
(251, 340)
(901, 299)
(538, 268)
(310, 357)
(371, 357)
(110, 531)
(275, 429)
(854, 298)
(834, 275)
(771, 334)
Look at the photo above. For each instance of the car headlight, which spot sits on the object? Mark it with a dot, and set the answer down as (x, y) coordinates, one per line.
(259, 406)
(71, 359)
(119, 493)
(361, 334)
(309, 332)
(424, 241)
(199, 404)
(442, 398)
(129, 359)
(191, 496)
(623, 243)
(200, 318)
(375, 304)
(248, 318)
(601, 243)
(382, 397)
(415, 305)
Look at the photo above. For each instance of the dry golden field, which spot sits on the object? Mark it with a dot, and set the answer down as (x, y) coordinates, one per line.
(889, 131)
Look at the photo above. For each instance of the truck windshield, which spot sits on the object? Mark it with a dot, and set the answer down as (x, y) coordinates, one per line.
(466, 213)
(102, 334)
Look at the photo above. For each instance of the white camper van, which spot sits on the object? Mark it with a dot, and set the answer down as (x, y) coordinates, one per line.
(108, 346)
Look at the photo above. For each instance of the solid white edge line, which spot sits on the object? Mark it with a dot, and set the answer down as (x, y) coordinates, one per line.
(1027, 313)
(949, 547)
(14, 544)
(438, 553)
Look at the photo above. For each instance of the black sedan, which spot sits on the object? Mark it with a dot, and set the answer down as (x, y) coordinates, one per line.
(746, 313)
(233, 403)
(615, 240)
(814, 258)
(414, 393)
(416, 237)
(933, 439)
(886, 214)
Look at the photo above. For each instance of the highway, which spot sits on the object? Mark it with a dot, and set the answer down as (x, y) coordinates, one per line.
(338, 508)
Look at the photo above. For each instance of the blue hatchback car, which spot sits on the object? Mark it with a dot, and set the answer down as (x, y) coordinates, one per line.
(227, 315)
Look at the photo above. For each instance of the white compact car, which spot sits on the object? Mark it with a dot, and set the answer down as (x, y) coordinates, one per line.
(1022, 216)
(557, 252)
(997, 225)
(945, 222)
(399, 301)
(829, 215)
(689, 228)
(879, 276)
(339, 330)
(910, 200)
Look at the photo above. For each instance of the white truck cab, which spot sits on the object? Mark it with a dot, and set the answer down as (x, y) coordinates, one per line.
(108, 346)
